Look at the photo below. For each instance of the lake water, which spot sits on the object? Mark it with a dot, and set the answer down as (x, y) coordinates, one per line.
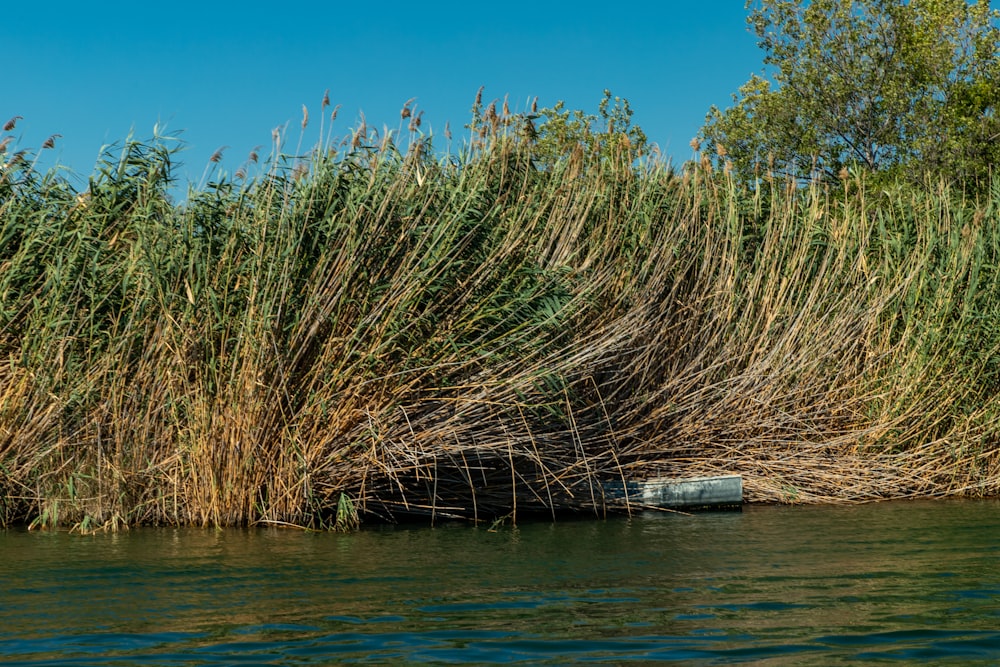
(913, 582)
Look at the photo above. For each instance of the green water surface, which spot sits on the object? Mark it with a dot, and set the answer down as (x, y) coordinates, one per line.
(904, 582)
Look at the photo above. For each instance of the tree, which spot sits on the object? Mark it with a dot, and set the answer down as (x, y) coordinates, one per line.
(556, 133)
(608, 135)
(883, 85)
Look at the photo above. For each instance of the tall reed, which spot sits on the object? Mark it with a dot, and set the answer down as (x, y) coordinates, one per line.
(377, 332)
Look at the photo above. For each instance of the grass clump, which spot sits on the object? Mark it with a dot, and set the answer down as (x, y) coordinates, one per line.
(371, 332)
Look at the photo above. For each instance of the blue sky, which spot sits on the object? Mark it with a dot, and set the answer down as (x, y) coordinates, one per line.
(226, 74)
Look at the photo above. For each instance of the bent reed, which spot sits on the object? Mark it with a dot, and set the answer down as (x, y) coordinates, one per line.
(370, 332)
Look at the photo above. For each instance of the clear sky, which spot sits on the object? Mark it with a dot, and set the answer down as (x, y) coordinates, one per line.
(226, 74)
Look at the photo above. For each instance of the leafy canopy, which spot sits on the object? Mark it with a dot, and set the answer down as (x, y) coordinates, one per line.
(609, 134)
(557, 133)
(883, 85)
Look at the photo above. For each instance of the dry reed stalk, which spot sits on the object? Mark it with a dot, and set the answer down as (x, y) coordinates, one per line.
(486, 338)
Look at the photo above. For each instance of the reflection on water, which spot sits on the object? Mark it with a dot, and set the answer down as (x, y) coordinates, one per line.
(806, 585)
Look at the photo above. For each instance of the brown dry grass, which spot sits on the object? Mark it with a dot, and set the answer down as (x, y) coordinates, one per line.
(379, 334)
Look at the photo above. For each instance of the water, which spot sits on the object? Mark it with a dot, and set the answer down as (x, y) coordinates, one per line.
(900, 582)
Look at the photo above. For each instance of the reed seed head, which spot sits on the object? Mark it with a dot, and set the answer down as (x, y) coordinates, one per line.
(491, 115)
(406, 112)
(217, 155)
(3, 144)
(363, 127)
(326, 100)
(530, 132)
(10, 124)
(720, 150)
(305, 116)
(254, 155)
(479, 96)
(51, 141)
(534, 105)
(333, 114)
(695, 145)
(447, 130)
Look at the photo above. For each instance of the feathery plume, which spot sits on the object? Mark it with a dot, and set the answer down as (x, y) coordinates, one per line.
(530, 133)
(51, 141)
(405, 112)
(305, 116)
(491, 115)
(217, 155)
(363, 128)
(326, 100)
(9, 125)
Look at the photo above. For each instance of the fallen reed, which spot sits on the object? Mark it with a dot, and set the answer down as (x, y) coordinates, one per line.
(375, 332)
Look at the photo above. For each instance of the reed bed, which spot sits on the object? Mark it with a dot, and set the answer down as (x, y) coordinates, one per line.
(371, 332)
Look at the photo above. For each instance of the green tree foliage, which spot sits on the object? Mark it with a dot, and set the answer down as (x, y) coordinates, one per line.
(609, 135)
(557, 133)
(881, 85)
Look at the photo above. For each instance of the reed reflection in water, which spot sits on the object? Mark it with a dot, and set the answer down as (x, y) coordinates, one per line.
(916, 581)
